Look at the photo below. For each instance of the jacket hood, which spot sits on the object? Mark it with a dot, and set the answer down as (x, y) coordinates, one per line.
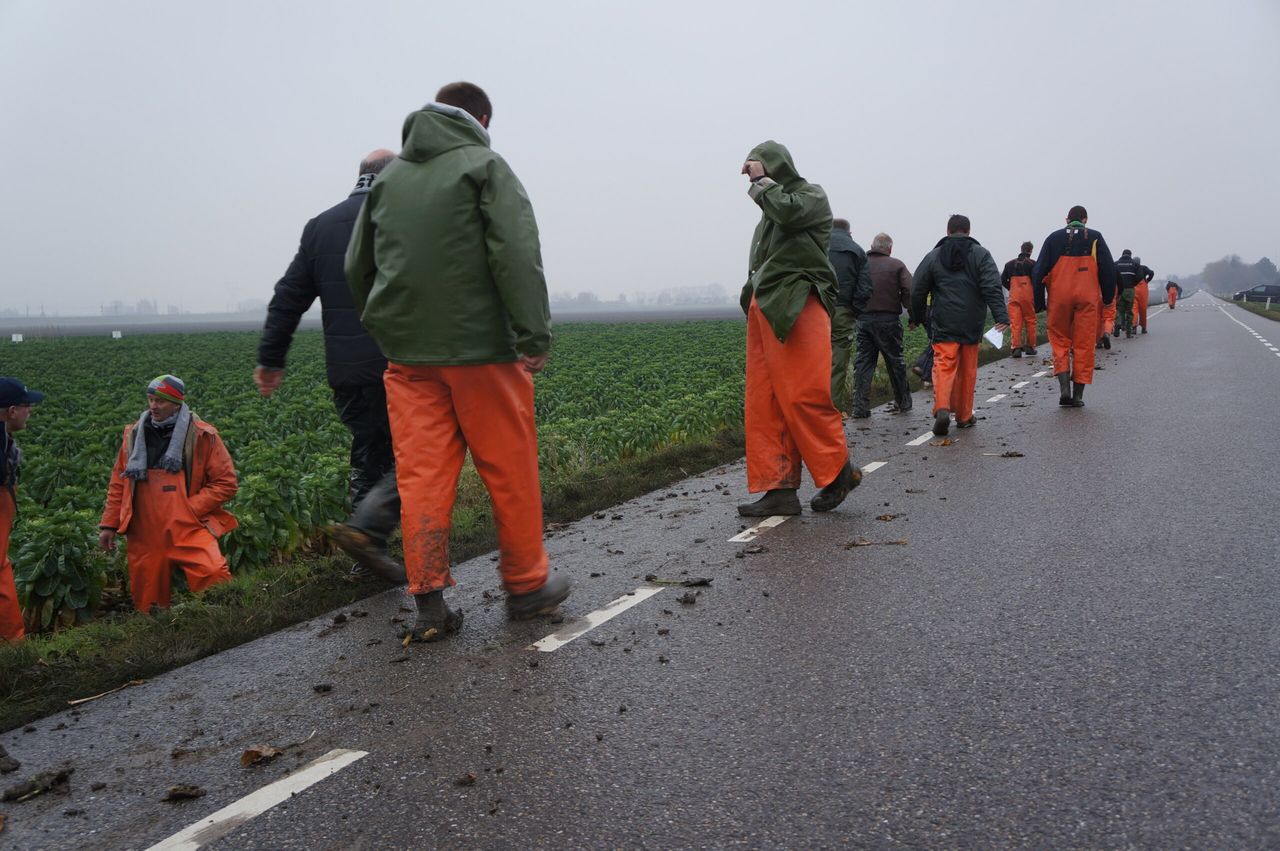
(438, 128)
(777, 162)
(954, 251)
(841, 240)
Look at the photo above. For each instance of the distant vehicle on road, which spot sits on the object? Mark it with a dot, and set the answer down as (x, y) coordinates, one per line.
(1262, 292)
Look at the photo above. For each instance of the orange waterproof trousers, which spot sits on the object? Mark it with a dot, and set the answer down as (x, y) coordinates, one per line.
(10, 613)
(1022, 312)
(1106, 317)
(1173, 297)
(1141, 295)
(955, 377)
(789, 414)
(1074, 304)
(437, 413)
(165, 534)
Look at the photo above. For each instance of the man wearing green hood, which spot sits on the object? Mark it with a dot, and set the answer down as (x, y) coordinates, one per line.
(445, 269)
(788, 298)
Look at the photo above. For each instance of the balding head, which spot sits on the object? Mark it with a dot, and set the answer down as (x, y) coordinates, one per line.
(376, 161)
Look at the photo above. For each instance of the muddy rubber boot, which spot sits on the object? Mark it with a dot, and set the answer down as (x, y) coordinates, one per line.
(1030, 351)
(544, 601)
(942, 422)
(833, 494)
(1077, 395)
(435, 619)
(1017, 352)
(776, 501)
(1144, 329)
(969, 423)
(369, 553)
(1098, 344)
(1106, 342)
(1064, 388)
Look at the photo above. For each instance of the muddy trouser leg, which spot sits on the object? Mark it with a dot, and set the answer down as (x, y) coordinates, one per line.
(379, 510)
(842, 325)
(864, 366)
(363, 410)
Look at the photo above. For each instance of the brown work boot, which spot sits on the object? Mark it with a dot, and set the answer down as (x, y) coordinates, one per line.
(543, 601)
(368, 553)
(435, 619)
(777, 501)
(833, 494)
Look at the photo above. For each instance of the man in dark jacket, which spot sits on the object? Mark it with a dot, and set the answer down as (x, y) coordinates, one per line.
(1076, 274)
(962, 278)
(1016, 278)
(850, 264)
(879, 310)
(445, 266)
(788, 298)
(354, 366)
(1127, 272)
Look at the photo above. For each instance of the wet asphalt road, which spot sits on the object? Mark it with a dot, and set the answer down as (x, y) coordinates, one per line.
(1073, 648)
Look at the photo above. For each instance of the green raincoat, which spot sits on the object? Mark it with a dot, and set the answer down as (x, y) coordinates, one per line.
(444, 262)
(789, 248)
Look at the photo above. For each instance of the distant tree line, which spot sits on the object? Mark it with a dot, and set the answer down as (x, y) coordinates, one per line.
(1231, 274)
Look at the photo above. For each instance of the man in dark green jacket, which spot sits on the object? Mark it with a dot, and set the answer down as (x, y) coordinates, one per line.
(963, 278)
(853, 283)
(788, 299)
(445, 269)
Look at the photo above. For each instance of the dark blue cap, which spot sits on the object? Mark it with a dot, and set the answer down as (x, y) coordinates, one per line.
(14, 392)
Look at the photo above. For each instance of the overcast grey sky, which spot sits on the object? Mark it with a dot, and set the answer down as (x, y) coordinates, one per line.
(174, 150)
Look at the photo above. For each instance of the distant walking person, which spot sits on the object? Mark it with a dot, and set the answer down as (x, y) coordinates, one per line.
(788, 298)
(852, 281)
(960, 277)
(1172, 292)
(1016, 278)
(16, 401)
(1077, 276)
(1141, 295)
(353, 365)
(446, 270)
(880, 327)
(1127, 270)
(171, 478)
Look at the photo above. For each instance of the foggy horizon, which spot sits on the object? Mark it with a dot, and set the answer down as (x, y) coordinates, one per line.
(174, 153)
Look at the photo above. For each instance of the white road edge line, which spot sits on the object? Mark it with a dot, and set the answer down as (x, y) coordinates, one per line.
(997, 397)
(227, 819)
(872, 466)
(1020, 385)
(582, 626)
(754, 532)
(924, 438)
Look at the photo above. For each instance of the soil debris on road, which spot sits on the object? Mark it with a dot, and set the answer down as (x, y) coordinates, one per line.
(688, 598)
(57, 782)
(863, 542)
(7, 763)
(183, 792)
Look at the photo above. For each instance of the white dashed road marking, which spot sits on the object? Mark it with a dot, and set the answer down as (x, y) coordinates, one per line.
(583, 625)
(1020, 385)
(231, 817)
(1041, 374)
(997, 397)
(754, 532)
(873, 466)
(922, 439)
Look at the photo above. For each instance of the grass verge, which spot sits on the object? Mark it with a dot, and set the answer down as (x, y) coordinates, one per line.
(1259, 308)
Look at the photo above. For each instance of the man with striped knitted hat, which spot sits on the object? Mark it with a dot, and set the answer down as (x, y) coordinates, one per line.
(171, 478)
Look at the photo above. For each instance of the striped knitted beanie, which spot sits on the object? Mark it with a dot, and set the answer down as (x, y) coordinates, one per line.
(168, 387)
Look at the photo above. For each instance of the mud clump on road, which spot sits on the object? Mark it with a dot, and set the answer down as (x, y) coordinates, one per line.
(7, 763)
(57, 782)
(183, 792)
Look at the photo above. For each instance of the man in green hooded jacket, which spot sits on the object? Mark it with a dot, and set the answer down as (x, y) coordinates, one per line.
(446, 272)
(788, 298)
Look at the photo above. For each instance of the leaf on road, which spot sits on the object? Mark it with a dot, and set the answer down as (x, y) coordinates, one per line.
(467, 779)
(255, 754)
(183, 792)
(49, 781)
(946, 441)
(888, 517)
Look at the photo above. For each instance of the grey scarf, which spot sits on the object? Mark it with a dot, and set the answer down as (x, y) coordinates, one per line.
(136, 469)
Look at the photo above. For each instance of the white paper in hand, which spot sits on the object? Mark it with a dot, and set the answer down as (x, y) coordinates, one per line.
(995, 337)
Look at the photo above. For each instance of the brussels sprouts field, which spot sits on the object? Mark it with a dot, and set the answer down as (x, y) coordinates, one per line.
(609, 392)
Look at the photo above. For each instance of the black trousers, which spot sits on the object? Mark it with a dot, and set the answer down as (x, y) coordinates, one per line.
(879, 334)
(374, 498)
